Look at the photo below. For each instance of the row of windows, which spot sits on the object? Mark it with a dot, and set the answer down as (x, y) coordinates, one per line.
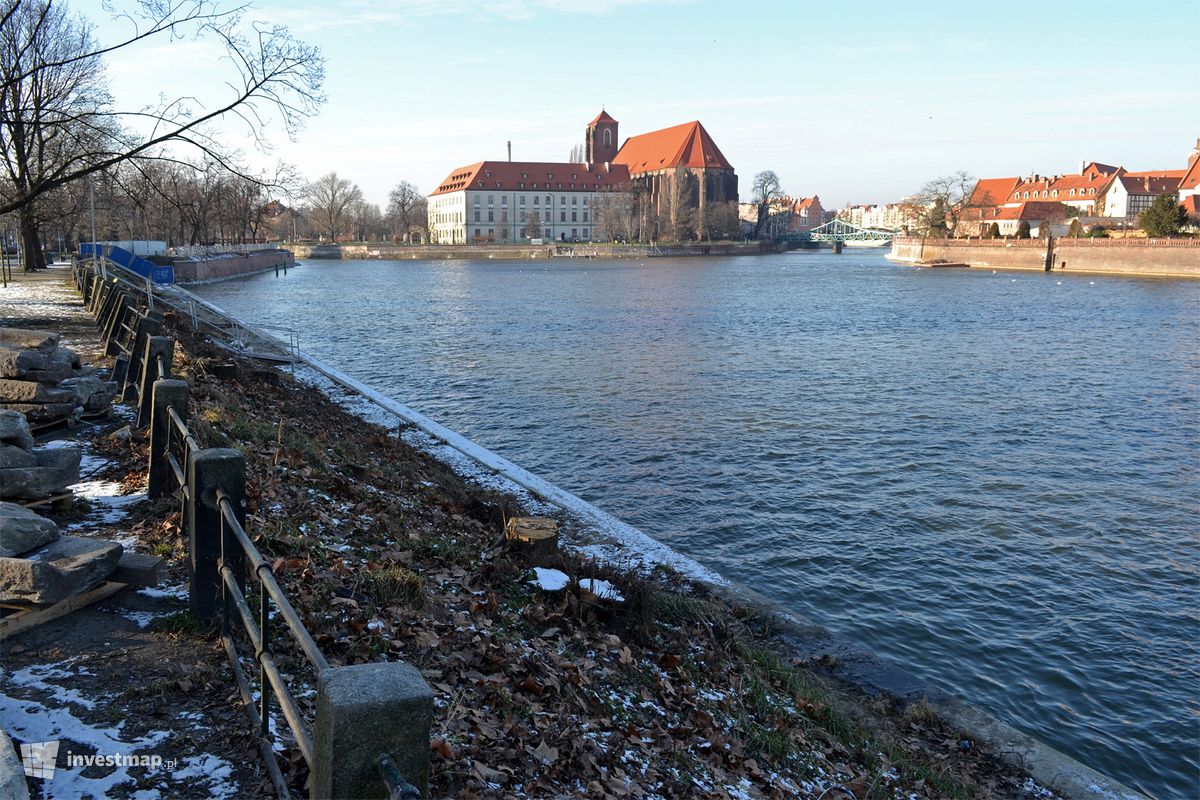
(1052, 193)
(537, 198)
(562, 216)
(575, 233)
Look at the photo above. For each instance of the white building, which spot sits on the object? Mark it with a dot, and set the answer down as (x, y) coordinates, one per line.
(516, 201)
(1131, 193)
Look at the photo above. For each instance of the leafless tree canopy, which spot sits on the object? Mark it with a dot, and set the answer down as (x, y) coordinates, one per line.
(331, 201)
(406, 209)
(946, 198)
(53, 92)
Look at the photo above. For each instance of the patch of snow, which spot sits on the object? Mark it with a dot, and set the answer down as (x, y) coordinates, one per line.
(207, 772)
(142, 618)
(550, 580)
(602, 589)
(173, 592)
(109, 506)
(35, 677)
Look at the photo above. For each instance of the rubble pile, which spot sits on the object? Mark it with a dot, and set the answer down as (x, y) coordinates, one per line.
(28, 474)
(39, 566)
(45, 381)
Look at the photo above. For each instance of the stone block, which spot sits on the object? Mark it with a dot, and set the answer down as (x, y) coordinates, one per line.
(364, 711)
(137, 569)
(25, 339)
(43, 412)
(56, 469)
(21, 530)
(16, 363)
(12, 774)
(18, 391)
(14, 430)
(67, 567)
(83, 386)
(15, 458)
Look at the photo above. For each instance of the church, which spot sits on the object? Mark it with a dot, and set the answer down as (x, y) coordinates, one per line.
(672, 183)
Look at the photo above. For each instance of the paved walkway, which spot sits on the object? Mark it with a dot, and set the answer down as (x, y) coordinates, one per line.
(127, 676)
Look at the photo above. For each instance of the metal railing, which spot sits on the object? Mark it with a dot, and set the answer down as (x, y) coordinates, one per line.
(211, 484)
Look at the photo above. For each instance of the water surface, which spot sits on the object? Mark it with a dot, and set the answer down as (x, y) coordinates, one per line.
(988, 478)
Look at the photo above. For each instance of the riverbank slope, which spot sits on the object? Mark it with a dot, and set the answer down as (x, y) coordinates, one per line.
(1171, 258)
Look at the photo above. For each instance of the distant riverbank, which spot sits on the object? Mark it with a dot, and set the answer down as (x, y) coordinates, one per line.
(400, 252)
(1173, 258)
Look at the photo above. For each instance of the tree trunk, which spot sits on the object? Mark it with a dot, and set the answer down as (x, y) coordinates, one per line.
(31, 243)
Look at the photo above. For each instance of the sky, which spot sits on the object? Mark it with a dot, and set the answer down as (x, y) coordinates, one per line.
(857, 102)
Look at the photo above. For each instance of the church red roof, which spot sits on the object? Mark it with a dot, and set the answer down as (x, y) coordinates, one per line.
(1191, 178)
(527, 176)
(602, 117)
(686, 145)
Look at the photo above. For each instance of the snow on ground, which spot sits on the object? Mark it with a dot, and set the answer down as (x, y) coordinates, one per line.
(53, 719)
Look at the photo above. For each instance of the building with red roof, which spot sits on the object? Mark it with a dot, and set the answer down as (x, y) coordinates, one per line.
(1128, 194)
(675, 181)
(1189, 184)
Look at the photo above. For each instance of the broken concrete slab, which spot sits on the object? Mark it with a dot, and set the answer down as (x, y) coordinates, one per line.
(67, 567)
(56, 469)
(22, 530)
(43, 412)
(15, 458)
(18, 391)
(138, 569)
(25, 339)
(14, 430)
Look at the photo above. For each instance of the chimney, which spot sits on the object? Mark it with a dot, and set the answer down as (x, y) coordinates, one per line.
(510, 150)
(1082, 164)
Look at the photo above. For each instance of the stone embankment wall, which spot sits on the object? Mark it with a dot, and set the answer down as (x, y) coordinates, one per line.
(508, 251)
(1178, 258)
(195, 270)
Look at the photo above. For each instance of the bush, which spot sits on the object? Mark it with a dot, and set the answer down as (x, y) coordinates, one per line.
(1023, 230)
(1164, 217)
(1076, 229)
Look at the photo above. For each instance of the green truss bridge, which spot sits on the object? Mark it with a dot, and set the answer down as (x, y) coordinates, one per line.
(839, 231)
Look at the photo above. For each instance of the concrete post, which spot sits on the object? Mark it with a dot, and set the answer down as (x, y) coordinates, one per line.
(148, 325)
(365, 711)
(207, 471)
(166, 394)
(155, 346)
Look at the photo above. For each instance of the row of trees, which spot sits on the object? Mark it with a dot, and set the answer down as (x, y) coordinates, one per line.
(158, 167)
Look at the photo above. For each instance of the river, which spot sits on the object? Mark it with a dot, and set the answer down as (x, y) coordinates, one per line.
(988, 478)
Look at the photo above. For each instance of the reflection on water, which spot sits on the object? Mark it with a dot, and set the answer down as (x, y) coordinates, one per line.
(987, 478)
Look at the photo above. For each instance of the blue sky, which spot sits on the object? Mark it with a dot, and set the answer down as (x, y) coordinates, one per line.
(857, 102)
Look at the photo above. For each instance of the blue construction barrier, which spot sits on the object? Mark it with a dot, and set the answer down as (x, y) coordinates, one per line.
(126, 259)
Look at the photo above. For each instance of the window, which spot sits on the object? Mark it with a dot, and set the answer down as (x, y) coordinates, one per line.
(504, 200)
(585, 233)
(585, 202)
(562, 216)
(490, 200)
(536, 199)
(521, 186)
(477, 215)
(547, 199)
(491, 216)
(547, 233)
(477, 233)
(585, 219)
(522, 199)
(574, 201)
(574, 217)
(608, 136)
(560, 186)
(574, 233)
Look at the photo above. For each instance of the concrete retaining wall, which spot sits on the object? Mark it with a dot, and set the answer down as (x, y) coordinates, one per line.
(190, 270)
(1178, 258)
(501, 251)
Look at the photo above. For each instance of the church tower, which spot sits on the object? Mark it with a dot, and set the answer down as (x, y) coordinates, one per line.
(601, 139)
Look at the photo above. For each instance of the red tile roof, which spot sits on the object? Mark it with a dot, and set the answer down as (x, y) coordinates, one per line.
(1191, 204)
(1191, 178)
(530, 176)
(1028, 211)
(602, 117)
(992, 191)
(686, 145)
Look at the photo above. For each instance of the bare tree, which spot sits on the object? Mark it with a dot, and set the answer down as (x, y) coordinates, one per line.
(764, 190)
(533, 225)
(52, 88)
(406, 208)
(946, 198)
(330, 200)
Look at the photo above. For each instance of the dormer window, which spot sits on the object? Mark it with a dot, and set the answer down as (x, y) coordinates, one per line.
(487, 173)
(524, 175)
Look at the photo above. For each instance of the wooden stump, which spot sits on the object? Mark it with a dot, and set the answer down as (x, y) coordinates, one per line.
(533, 539)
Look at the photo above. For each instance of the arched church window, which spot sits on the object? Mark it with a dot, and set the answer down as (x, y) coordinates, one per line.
(607, 136)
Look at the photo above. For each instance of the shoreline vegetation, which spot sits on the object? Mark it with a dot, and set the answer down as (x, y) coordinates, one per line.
(673, 692)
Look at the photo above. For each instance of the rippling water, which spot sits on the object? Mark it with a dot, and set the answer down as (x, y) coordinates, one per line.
(990, 479)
